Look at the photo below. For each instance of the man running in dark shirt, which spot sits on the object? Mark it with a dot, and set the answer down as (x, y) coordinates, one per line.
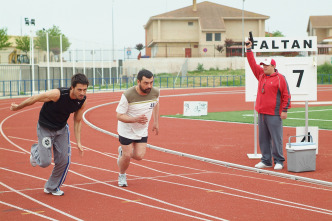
(53, 130)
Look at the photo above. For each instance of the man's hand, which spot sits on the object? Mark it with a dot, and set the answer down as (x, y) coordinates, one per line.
(155, 128)
(141, 119)
(80, 150)
(283, 115)
(248, 44)
(14, 107)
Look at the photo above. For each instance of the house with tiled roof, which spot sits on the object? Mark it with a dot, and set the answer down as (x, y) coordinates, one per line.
(321, 26)
(197, 31)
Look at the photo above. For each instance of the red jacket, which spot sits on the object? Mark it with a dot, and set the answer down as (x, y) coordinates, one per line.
(276, 97)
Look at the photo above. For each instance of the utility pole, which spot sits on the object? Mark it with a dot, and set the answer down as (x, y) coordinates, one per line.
(243, 28)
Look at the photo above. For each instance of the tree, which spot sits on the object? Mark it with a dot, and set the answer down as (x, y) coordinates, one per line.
(139, 47)
(220, 48)
(54, 40)
(4, 38)
(275, 34)
(228, 42)
(23, 43)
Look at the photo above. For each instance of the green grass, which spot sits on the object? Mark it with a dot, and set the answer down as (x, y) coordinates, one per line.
(214, 72)
(320, 116)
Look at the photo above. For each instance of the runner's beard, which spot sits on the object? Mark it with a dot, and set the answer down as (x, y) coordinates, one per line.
(146, 91)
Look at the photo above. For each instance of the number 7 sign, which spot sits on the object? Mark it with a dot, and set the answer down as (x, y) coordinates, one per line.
(300, 73)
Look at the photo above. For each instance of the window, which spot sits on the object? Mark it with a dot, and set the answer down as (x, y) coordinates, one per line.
(190, 23)
(208, 36)
(217, 36)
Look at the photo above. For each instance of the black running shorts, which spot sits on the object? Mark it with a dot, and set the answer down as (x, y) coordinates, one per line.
(126, 141)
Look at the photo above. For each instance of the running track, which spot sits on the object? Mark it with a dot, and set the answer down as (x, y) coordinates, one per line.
(163, 186)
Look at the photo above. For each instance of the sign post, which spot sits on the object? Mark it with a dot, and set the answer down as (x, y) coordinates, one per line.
(300, 72)
(205, 50)
(128, 52)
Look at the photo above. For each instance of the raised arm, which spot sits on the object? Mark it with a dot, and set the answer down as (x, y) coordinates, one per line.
(52, 95)
(256, 69)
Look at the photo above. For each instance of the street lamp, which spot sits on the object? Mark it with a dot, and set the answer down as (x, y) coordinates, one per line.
(30, 23)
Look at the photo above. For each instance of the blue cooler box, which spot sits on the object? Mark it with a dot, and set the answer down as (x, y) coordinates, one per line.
(301, 156)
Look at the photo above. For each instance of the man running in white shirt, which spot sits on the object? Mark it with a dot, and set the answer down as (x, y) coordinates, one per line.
(134, 112)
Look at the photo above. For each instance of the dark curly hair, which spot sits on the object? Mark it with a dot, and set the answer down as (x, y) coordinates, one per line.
(79, 79)
(144, 73)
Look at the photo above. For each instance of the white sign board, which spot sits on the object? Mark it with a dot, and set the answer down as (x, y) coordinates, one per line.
(300, 73)
(195, 108)
(283, 44)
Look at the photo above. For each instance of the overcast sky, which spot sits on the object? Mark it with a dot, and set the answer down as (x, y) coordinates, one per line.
(90, 22)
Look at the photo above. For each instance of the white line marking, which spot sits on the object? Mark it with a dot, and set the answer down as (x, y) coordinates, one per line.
(155, 199)
(112, 196)
(39, 202)
(148, 197)
(308, 119)
(28, 211)
(234, 189)
(12, 150)
(294, 177)
(1, 131)
(314, 102)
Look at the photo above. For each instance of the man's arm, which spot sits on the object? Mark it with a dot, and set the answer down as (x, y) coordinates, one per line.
(77, 127)
(285, 97)
(155, 115)
(142, 119)
(52, 95)
(256, 69)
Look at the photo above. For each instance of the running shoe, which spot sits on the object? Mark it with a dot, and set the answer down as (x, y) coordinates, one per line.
(278, 166)
(57, 193)
(261, 165)
(122, 180)
(32, 161)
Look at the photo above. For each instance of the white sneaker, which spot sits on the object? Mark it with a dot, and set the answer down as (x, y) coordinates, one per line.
(278, 166)
(261, 165)
(120, 153)
(122, 180)
(57, 193)
(32, 161)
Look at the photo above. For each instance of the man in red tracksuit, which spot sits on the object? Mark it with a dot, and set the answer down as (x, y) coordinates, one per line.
(272, 102)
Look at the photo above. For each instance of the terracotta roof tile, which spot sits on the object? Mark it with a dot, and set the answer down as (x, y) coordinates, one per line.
(324, 21)
(211, 15)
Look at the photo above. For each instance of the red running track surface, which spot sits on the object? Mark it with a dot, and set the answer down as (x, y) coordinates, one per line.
(162, 186)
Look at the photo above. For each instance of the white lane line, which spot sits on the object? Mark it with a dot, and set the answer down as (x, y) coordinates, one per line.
(39, 202)
(148, 197)
(200, 172)
(311, 119)
(1, 130)
(314, 102)
(170, 174)
(28, 211)
(12, 150)
(112, 196)
(175, 165)
(234, 189)
(283, 175)
(155, 199)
